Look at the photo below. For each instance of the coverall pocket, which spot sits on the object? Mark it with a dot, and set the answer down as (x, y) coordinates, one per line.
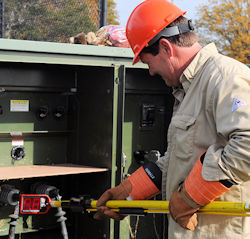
(184, 135)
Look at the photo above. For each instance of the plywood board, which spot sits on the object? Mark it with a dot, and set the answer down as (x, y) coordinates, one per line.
(32, 171)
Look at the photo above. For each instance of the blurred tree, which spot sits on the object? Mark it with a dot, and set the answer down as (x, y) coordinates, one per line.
(226, 22)
(112, 14)
(52, 20)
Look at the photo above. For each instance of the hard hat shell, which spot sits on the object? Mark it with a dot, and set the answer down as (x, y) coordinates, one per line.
(147, 20)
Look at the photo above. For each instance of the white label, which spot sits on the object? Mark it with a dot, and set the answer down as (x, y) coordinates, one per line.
(17, 142)
(15, 134)
(237, 103)
(19, 105)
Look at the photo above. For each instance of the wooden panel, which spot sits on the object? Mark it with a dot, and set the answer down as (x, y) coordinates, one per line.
(45, 170)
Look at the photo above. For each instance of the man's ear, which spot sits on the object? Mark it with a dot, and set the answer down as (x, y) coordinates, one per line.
(167, 46)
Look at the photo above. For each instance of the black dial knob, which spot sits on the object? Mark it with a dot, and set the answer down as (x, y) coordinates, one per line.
(17, 153)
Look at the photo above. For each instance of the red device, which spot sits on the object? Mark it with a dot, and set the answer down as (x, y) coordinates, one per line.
(34, 203)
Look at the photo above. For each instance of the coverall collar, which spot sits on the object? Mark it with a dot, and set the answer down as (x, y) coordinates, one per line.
(197, 63)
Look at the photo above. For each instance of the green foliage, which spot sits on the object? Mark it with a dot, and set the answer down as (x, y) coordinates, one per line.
(226, 22)
(112, 15)
(49, 21)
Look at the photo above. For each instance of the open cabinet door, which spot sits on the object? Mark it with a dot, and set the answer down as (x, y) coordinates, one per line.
(147, 114)
(117, 165)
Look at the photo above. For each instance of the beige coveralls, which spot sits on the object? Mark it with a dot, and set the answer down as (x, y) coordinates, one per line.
(211, 112)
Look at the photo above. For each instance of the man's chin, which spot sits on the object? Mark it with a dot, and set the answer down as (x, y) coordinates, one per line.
(168, 82)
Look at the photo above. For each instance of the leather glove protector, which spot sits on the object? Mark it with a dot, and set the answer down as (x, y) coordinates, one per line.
(119, 192)
(181, 211)
(194, 193)
(144, 183)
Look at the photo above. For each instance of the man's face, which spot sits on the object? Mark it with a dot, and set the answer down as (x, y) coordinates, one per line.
(162, 65)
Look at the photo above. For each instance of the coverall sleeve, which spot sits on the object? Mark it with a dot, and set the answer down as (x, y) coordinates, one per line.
(230, 106)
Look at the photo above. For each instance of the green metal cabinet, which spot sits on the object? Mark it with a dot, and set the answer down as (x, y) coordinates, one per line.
(77, 105)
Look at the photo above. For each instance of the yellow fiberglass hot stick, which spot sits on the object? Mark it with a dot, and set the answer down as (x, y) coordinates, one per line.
(152, 206)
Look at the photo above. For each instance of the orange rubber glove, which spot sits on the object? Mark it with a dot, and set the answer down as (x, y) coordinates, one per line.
(144, 183)
(194, 193)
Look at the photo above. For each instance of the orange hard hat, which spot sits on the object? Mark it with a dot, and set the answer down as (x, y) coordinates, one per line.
(147, 20)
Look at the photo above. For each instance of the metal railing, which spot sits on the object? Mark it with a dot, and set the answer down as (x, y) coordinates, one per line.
(50, 20)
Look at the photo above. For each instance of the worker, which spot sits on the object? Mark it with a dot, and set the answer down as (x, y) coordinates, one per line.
(208, 153)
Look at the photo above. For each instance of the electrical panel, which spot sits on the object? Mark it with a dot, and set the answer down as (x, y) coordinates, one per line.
(44, 125)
